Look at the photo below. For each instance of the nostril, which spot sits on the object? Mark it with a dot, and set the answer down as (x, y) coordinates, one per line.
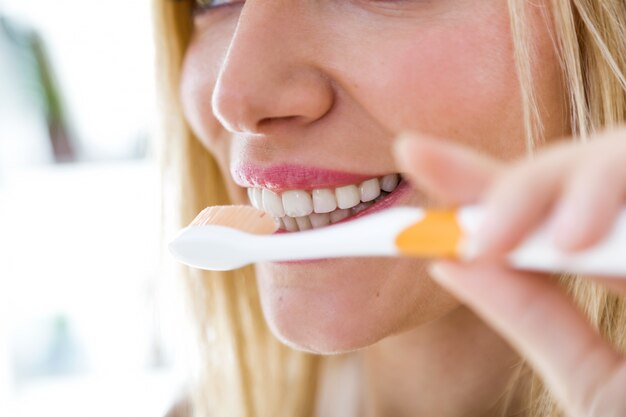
(271, 122)
(241, 114)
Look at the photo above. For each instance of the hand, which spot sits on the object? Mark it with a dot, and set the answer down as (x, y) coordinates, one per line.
(578, 189)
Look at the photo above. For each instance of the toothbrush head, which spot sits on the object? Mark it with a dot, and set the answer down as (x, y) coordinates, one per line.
(244, 218)
(217, 238)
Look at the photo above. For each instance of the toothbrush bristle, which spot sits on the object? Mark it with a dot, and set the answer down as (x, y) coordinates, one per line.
(245, 218)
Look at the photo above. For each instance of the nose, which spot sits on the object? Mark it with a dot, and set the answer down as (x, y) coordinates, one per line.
(270, 77)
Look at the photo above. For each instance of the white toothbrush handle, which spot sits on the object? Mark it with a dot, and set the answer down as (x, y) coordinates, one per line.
(538, 252)
(372, 235)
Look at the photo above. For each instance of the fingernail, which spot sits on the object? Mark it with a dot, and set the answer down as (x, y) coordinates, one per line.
(403, 146)
(475, 243)
(438, 272)
(470, 248)
(563, 225)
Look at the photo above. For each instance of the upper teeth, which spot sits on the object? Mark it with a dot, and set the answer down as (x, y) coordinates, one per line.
(320, 206)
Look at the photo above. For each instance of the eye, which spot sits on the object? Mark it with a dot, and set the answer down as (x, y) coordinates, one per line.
(201, 6)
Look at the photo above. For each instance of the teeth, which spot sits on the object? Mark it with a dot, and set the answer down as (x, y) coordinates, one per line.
(304, 223)
(360, 207)
(290, 224)
(339, 215)
(389, 182)
(369, 189)
(302, 210)
(297, 203)
(324, 200)
(319, 219)
(255, 196)
(272, 203)
(347, 196)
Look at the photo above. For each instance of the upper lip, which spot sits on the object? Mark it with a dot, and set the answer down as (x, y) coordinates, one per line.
(294, 177)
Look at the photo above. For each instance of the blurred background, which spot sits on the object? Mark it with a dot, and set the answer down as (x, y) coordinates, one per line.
(84, 322)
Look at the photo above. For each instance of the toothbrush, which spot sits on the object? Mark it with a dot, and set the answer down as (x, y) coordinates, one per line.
(229, 237)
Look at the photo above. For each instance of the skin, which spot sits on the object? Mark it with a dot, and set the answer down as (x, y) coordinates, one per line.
(330, 84)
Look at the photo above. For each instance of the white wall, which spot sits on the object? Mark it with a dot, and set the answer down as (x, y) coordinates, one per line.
(82, 240)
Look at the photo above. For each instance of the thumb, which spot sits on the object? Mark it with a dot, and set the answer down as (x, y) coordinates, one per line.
(452, 173)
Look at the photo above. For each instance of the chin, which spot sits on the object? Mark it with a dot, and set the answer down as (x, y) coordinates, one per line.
(341, 305)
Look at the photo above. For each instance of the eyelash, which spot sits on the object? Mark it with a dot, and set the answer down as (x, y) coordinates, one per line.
(200, 7)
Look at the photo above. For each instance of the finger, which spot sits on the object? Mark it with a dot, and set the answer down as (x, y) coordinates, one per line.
(520, 200)
(539, 321)
(593, 197)
(449, 172)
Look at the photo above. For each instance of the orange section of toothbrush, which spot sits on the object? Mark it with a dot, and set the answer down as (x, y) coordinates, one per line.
(438, 234)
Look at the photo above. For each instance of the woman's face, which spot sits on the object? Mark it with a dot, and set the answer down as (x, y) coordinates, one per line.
(307, 95)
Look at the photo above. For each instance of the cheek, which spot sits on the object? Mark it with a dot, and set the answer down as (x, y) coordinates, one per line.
(460, 81)
(197, 82)
(455, 80)
(200, 70)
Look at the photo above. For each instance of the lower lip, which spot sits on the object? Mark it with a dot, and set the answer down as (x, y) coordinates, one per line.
(393, 198)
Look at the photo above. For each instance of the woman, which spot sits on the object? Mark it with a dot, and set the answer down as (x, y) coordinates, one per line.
(300, 101)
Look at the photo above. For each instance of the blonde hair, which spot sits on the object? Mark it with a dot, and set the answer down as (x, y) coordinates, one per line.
(244, 370)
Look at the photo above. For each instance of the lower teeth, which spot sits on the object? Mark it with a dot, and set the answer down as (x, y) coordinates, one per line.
(293, 225)
(360, 207)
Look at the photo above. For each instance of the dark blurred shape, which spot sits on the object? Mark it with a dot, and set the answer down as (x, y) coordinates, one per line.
(29, 50)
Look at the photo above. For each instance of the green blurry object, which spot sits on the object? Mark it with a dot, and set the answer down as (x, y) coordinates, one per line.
(29, 53)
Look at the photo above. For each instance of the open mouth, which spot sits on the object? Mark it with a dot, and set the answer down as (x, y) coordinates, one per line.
(298, 210)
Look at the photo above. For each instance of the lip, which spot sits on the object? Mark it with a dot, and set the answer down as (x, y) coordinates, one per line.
(396, 197)
(280, 178)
